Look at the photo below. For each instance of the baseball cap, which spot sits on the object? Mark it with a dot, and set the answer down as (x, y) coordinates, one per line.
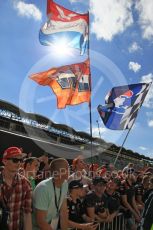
(12, 152)
(76, 184)
(99, 180)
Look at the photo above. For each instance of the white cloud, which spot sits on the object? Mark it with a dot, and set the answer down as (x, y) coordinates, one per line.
(134, 66)
(150, 123)
(110, 18)
(145, 8)
(142, 148)
(28, 10)
(149, 98)
(134, 47)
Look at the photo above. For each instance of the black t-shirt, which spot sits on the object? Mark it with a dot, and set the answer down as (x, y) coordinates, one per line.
(146, 194)
(113, 201)
(139, 190)
(99, 203)
(127, 189)
(75, 210)
(147, 216)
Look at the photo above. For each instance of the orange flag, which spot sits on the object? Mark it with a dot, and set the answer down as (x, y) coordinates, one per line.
(70, 83)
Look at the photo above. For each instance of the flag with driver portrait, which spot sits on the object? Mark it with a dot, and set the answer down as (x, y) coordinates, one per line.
(122, 104)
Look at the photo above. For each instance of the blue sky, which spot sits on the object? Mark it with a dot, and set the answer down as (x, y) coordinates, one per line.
(121, 52)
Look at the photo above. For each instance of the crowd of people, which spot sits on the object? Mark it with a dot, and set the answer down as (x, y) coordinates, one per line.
(48, 194)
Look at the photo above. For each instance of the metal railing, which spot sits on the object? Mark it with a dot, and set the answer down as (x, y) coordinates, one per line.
(118, 223)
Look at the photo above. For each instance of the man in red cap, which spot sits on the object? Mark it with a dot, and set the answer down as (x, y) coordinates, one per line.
(15, 192)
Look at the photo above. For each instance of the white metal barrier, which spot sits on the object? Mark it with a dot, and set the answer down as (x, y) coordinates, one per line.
(119, 223)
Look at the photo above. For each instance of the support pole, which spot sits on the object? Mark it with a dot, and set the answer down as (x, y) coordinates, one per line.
(90, 106)
(119, 152)
(98, 128)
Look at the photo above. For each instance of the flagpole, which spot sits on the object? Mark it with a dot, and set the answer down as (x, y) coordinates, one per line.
(118, 154)
(98, 128)
(125, 140)
(91, 150)
(90, 115)
(129, 130)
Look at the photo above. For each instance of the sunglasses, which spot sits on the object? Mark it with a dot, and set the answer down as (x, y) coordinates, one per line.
(131, 171)
(15, 160)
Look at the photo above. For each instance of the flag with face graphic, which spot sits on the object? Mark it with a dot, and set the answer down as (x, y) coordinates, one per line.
(122, 104)
(71, 83)
(64, 24)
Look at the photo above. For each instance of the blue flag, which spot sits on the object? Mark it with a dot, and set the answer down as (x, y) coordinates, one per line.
(122, 104)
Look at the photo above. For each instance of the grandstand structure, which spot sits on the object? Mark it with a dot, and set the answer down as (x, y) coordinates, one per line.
(37, 134)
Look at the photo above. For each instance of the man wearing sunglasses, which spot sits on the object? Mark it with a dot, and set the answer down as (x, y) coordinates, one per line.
(15, 191)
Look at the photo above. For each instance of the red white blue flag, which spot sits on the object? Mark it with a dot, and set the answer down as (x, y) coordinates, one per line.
(65, 24)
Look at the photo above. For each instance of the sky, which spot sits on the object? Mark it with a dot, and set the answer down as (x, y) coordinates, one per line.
(121, 52)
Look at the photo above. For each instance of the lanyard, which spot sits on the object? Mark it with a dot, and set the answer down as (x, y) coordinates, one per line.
(57, 203)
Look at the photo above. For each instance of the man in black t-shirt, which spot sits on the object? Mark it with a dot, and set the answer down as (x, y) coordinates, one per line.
(147, 216)
(141, 190)
(113, 198)
(145, 183)
(74, 204)
(150, 188)
(127, 192)
(96, 202)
